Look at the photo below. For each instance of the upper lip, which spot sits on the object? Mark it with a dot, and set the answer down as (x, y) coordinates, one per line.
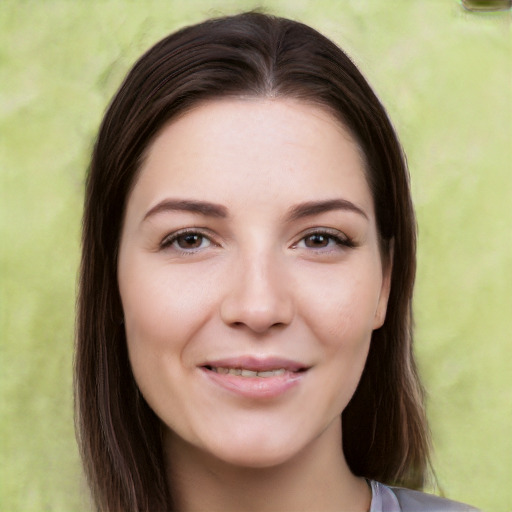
(257, 364)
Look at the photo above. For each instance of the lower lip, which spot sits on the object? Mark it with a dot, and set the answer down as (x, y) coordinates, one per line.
(256, 387)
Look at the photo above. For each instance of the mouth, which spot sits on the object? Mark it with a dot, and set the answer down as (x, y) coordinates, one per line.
(255, 378)
(245, 372)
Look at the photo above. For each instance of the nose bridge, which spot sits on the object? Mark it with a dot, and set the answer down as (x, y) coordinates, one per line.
(258, 295)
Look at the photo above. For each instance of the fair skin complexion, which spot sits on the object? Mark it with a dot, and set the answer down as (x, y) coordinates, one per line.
(250, 244)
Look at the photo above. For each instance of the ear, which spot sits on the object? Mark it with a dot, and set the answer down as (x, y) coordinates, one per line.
(387, 270)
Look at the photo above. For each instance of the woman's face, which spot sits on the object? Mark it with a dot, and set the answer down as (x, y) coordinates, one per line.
(251, 278)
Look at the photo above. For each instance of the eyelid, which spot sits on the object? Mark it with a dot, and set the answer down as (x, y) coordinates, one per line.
(170, 238)
(338, 236)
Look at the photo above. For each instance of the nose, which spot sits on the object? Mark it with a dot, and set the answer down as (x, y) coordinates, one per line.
(258, 295)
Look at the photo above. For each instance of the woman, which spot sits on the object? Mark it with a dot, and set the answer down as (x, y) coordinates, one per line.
(244, 322)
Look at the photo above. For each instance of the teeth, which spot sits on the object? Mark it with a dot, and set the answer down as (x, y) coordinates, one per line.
(272, 373)
(249, 373)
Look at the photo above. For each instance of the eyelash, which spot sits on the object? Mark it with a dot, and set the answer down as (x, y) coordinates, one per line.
(170, 239)
(338, 238)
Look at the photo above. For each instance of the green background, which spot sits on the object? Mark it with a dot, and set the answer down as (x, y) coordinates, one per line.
(444, 75)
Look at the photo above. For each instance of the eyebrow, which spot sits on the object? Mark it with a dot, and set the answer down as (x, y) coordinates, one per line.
(208, 209)
(188, 205)
(316, 207)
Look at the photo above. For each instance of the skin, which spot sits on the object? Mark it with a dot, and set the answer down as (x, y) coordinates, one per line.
(255, 281)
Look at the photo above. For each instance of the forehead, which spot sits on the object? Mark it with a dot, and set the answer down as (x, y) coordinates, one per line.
(252, 149)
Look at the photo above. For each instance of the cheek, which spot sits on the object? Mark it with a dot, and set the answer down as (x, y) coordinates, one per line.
(161, 303)
(341, 317)
(343, 306)
(160, 316)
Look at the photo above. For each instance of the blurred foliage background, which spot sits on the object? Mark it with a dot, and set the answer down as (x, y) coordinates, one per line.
(444, 75)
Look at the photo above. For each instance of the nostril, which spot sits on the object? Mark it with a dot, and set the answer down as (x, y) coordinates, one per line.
(261, 330)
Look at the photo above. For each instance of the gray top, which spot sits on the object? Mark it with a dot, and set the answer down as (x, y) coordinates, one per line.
(396, 499)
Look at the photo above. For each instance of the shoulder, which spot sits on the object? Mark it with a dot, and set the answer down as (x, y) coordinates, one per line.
(415, 501)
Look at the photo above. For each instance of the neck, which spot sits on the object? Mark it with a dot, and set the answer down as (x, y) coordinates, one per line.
(317, 478)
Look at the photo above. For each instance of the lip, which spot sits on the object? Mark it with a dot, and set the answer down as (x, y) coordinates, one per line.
(256, 387)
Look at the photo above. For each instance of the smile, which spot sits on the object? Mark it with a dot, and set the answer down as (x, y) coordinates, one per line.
(242, 372)
(254, 378)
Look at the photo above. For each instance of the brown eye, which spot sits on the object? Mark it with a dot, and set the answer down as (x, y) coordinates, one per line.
(317, 241)
(327, 240)
(188, 241)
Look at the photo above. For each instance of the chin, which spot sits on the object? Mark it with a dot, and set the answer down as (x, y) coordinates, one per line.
(256, 458)
(240, 449)
(258, 450)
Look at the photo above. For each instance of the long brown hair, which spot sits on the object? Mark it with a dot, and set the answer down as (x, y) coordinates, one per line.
(385, 434)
